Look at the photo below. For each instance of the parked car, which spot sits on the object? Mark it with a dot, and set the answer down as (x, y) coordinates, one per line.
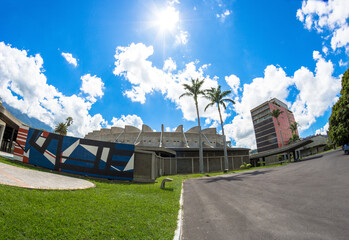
(346, 148)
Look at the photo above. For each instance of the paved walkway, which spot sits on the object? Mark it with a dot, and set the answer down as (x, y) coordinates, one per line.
(26, 178)
(304, 200)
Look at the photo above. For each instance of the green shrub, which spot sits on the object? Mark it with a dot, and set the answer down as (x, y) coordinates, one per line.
(242, 167)
(248, 165)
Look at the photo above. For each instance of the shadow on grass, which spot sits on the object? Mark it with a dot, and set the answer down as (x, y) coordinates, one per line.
(239, 177)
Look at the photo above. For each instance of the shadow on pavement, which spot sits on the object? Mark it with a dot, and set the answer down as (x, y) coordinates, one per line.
(239, 177)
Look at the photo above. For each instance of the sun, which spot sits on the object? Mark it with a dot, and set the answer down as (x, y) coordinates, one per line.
(167, 19)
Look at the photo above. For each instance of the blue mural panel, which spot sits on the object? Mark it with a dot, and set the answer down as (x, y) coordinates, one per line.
(76, 155)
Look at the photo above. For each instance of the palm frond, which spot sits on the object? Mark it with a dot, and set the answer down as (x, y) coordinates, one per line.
(209, 105)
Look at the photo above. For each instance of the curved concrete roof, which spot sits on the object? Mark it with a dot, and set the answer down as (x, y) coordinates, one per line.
(146, 128)
(179, 128)
(130, 129)
(193, 130)
(209, 131)
(116, 129)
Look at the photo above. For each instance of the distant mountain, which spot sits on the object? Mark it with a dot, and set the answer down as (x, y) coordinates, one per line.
(32, 122)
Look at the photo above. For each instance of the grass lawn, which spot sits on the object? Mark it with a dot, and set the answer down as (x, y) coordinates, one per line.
(109, 211)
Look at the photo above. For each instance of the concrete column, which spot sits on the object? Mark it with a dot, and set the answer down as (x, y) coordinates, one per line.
(12, 135)
(2, 130)
(208, 164)
(221, 163)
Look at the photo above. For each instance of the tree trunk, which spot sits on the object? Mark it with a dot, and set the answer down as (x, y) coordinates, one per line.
(201, 154)
(226, 164)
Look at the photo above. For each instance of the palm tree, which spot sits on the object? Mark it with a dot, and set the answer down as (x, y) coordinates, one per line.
(275, 114)
(61, 128)
(69, 121)
(216, 96)
(194, 90)
(294, 127)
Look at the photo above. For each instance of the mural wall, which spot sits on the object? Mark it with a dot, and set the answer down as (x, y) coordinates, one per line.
(74, 155)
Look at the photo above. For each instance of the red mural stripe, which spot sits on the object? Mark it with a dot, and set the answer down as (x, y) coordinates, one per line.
(50, 154)
(45, 134)
(22, 135)
(25, 159)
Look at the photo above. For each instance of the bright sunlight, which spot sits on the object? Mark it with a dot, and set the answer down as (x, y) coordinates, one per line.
(167, 19)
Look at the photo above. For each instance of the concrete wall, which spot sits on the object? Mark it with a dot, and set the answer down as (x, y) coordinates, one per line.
(2, 130)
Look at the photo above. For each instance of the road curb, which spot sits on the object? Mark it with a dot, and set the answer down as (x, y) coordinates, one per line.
(178, 232)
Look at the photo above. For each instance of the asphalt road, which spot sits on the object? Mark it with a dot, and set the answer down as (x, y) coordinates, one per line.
(303, 200)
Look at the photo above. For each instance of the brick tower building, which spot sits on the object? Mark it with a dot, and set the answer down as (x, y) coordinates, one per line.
(271, 133)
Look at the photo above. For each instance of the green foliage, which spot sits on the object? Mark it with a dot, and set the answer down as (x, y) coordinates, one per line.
(275, 114)
(339, 120)
(293, 139)
(216, 96)
(69, 121)
(245, 166)
(194, 90)
(294, 127)
(61, 128)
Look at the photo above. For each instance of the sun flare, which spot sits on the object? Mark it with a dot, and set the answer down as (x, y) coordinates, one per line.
(167, 19)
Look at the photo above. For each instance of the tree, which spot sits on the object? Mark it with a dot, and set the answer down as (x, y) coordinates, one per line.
(216, 96)
(194, 90)
(339, 119)
(69, 121)
(293, 139)
(294, 127)
(275, 114)
(61, 128)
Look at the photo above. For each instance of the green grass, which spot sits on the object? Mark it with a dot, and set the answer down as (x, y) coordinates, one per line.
(109, 211)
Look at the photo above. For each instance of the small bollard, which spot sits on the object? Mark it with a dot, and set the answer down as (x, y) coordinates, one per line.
(164, 181)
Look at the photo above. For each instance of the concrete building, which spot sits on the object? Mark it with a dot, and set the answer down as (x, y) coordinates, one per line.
(175, 152)
(317, 146)
(272, 133)
(8, 130)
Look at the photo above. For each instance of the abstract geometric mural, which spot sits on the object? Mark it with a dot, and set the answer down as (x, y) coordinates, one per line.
(75, 155)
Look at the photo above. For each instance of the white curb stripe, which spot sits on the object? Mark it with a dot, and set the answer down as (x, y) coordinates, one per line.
(178, 232)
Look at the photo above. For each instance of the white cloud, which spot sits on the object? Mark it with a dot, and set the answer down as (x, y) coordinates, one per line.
(317, 93)
(275, 83)
(23, 86)
(70, 59)
(132, 120)
(342, 64)
(323, 130)
(132, 63)
(329, 15)
(234, 82)
(169, 65)
(93, 86)
(223, 15)
(325, 50)
(182, 37)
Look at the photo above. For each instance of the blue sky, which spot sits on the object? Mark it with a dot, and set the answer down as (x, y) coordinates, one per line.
(111, 63)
